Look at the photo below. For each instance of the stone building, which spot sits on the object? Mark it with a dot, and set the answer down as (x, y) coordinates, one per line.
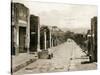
(34, 34)
(50, 37)
(20, 28)
(44, 38)
(94, 38)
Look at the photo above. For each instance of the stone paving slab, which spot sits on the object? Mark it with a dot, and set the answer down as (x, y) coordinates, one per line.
(67, 57)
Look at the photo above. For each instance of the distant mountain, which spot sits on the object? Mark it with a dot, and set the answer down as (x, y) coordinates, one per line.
(75, 30)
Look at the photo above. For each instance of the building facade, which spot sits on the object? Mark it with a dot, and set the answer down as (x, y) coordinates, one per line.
(44, 38)
(34, 33)
(20, 28)
(94, 39)
(50, 37)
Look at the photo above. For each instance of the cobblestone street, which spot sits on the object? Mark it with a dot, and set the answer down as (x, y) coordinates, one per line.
(66, 57)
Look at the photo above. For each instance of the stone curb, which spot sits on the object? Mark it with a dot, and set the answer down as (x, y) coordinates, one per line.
(18, 67)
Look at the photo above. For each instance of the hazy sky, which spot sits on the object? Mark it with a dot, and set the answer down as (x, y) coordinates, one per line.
(62, 15)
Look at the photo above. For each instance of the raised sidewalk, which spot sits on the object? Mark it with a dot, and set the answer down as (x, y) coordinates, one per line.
(22, 60)
(82, 63)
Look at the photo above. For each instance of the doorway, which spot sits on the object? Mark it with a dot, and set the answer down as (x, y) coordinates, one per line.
(22, 39)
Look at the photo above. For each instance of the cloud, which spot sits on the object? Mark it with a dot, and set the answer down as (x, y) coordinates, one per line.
(62, 15)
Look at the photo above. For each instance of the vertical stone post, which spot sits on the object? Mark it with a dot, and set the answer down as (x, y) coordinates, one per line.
(17, 40)
(38, 41)
(28, 33)
(45, 38)
(50, 38)
(52, 42)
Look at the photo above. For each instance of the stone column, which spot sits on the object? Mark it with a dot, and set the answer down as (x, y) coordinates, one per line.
(52, 42)
(38, 43)
(45, 44)
(16, 35)
(28, 33)
(50, 39)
